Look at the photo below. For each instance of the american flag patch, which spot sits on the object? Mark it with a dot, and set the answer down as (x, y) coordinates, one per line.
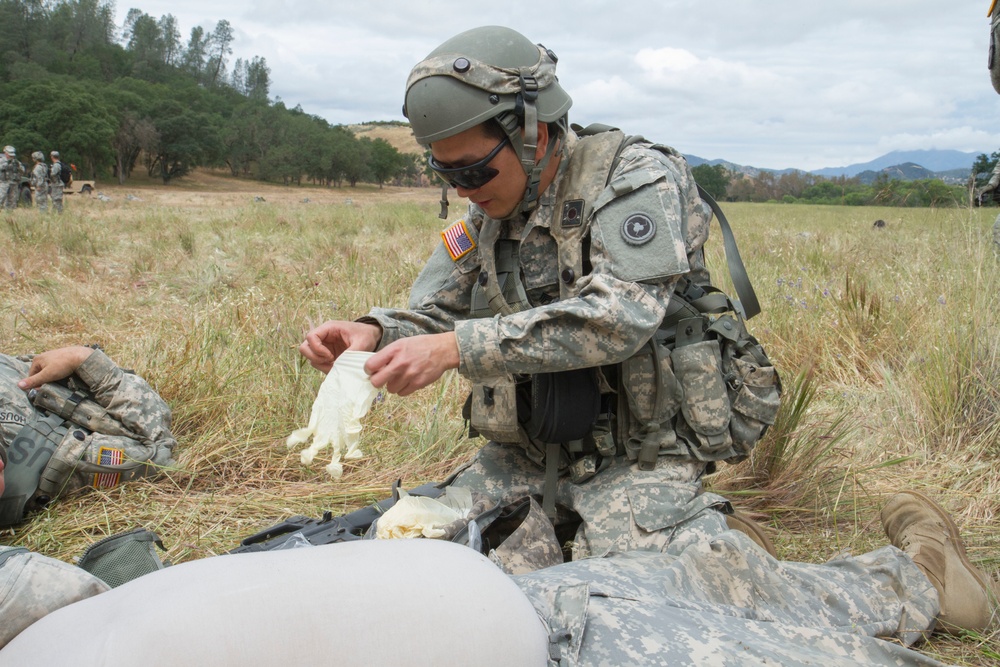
(457, 240)
(108, 457)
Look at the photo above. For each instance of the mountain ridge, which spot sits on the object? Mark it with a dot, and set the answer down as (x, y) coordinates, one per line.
(944, 164)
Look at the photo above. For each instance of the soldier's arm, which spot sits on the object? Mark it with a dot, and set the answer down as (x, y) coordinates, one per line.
(128, 398)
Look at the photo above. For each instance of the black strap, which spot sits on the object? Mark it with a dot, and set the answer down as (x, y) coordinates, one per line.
(551, 479)
(738, 272)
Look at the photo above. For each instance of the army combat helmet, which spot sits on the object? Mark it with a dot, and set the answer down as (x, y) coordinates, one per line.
(487, 73)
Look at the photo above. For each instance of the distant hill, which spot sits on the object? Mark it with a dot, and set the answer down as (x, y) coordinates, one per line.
(399, 135)
(932, 160)
(948, 165)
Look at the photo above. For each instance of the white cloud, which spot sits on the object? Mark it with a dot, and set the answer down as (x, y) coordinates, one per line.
(774, 84)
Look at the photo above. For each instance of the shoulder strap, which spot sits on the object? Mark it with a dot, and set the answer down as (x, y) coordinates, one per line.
(590, 166)
(737, 271)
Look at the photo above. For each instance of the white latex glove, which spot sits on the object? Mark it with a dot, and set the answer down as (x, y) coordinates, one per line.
(343, 399)
(417, 516)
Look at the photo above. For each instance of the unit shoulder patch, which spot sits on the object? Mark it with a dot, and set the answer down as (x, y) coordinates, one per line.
(642, 233)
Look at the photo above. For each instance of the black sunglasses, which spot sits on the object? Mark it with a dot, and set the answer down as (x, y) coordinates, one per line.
(471, 176)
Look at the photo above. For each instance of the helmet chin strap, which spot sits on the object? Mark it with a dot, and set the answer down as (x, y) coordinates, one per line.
(526, 143)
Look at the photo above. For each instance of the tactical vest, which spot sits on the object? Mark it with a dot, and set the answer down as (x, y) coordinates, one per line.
(51, 454)
(702, 388)
(9, 170)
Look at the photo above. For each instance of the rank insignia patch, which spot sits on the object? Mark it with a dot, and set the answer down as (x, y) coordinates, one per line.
(457, 240)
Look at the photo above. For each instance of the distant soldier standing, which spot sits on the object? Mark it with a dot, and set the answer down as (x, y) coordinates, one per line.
(40, 180)
(10, 176)
(56, 182)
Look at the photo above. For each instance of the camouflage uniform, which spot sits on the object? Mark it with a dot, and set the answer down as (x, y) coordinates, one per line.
(128, 400)
(33, 585)
(725, 602)
(40, 181)
(994, 62)
(56, 186)
(619, 307)
(642, 526)
(10, 187)
(990, 188)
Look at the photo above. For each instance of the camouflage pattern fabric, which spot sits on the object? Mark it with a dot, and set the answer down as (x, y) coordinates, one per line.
(996, 234)
(56, 187)
(128, 399)
(993, 183)
(622, 508)
(995, 46)
(724, 601)
(661, 560)
(10, 171)
(604, 324)
(40, 181)
(32, 585)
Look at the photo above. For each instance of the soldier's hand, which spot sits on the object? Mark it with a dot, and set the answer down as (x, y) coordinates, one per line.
(325, 343)
(54, 365)
(409, 364)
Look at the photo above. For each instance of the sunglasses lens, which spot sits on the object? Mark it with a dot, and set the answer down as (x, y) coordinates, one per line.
(470, 179)
(474, 175)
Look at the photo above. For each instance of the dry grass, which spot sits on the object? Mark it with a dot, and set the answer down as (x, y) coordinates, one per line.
(886, 339)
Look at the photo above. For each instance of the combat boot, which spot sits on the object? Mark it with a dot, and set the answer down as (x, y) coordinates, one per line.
(741, 522)
(921, 528)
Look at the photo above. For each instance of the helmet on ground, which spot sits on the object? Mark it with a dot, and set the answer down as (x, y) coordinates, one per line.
(9, 150)
(487, 73)
(38, 156)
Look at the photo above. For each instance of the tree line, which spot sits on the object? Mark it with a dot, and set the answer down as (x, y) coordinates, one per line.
(803, 188)
(113, 99)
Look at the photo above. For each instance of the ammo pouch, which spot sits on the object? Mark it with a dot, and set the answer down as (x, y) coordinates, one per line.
(563, 406)
(120, 558)
(702, 388)
(547, 407)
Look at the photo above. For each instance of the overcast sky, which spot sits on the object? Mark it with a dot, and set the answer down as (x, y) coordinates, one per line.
(775, 84)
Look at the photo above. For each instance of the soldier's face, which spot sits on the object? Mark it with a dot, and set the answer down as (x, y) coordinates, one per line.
(503, 193)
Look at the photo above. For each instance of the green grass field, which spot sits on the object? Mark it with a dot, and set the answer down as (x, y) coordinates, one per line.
(886, 338)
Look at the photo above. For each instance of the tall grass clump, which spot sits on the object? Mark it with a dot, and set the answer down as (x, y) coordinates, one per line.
(799, 468)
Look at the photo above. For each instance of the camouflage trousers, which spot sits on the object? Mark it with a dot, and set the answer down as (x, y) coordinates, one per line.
(622, 508)
(724, 601)
(653, 554)
(56, 195)
(8, 195)
(996, 235)
(42, 199)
